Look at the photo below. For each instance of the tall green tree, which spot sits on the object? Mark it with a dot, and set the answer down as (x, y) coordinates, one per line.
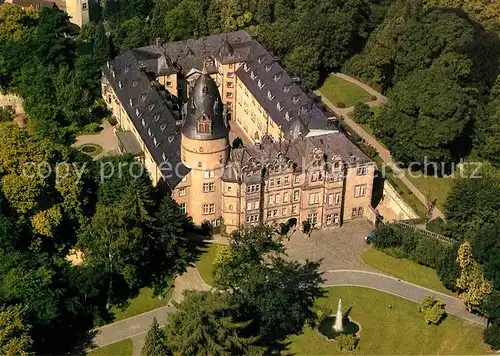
(205, 324)
(14, 332)
(277, 294)
(156, 342)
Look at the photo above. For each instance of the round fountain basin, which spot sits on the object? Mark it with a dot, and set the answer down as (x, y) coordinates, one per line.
(327, 327)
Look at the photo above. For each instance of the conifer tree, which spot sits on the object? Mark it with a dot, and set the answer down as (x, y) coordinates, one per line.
(156, 342)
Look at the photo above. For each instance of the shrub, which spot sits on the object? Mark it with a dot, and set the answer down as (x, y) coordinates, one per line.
(222, 254)
(448, 269)
(340, 104)
(492, 336)
(346, 342)
(113, 121)
(6, 113)
(362, 113)
(437, 226)
(238, 143)
(387, 236)
(432, 309)
(306, 227)
(93, 127)
(322, 314)
(206, 228)
(369, 150)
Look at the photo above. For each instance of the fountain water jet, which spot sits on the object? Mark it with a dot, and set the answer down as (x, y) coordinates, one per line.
(339, 327)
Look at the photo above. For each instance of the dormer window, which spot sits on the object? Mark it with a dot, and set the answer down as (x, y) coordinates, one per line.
(209, 62)
(130, 102)
(163, 156)
(253, 75)
(157, 117)
(134, 83)
(137, 113)
(204, 125)
(287, 116)
(163, 127)
(279, 106)
(295, 99)
(260, 59)
(303, 109)
(127, 69)
(113, 73)
(287, 88)
(149, 132)
(144, 97)
(170, 139)
(151, 107)
(276, 77)
(268, 67)
(260, 84)
(246, 68)
(155, 141)
(270, 95)
(120, 84)
(143, 123)
(108, 64)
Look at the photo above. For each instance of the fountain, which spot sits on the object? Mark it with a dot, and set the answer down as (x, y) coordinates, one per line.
(337, 324)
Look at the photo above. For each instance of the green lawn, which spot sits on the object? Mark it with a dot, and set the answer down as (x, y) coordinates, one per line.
(405, 269)
(205, 264)
(142, 303)
(121, 348)
(436, 188)
(400, 330)
(337, 90)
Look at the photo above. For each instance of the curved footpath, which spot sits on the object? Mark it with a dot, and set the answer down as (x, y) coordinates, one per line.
(139, 325)
(399, 288)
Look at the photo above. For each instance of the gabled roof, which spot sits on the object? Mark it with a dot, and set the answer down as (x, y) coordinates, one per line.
(149, 114)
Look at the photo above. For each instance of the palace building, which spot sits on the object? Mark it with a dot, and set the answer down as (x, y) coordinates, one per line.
(176, 105)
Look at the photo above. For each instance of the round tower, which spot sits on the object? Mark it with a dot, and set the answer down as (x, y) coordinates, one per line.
(205, 149)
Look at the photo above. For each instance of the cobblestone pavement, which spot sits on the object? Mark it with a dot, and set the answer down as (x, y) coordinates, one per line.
(397, 287)
(338, 248)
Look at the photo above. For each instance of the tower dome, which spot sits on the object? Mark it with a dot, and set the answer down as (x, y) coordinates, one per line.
(205, 119)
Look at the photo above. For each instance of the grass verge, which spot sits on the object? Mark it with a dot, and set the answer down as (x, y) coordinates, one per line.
(435, 188)
(205, 264)
(400, 330)
(120, 348)
(338, 90)
(405, 269)
(144, 302)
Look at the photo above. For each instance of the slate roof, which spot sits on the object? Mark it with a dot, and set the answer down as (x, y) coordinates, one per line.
(299, 152)
(148, 112)
(205, 101)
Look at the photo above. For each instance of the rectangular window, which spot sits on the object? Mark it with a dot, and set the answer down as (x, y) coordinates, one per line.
(169, 84)
(286, 180)
(278, 182)
(206, 209)
(249, 206)
(329, 219)
(230, 74)
(269, 213)
(336, 218)
(212, 208)
(229, 95)
(271, 182)
(337, 198)
(312, 218)
(314, 177)
(331, 199)
(286, 197)
(320, 175)
(294, 209)
(361, 171)
(275, 212)
(313, 198)
(229, 84)
(357, 212)
(284, 211)
(248, 218)
(182, 192)
(277, 198)
(208, 187)
(84, 6)
(206, 174)
(271, 199)
(360, 190)
(182, 208)
(296, 179)
(256, 205)
(296, 195)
